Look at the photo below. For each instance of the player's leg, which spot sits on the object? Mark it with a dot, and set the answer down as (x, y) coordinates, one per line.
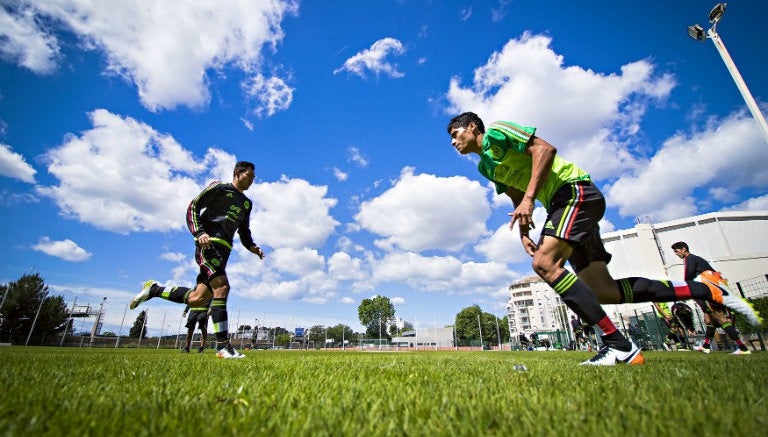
(720, 316)
(203, 331)
(190, 335)
(220, 287)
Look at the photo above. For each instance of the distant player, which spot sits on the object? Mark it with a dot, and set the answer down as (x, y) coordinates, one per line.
(715, 315)
(213, 217)
(528, 168)
(198, 316)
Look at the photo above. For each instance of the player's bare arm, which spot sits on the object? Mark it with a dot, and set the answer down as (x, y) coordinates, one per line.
(528, 244)
(542, 154)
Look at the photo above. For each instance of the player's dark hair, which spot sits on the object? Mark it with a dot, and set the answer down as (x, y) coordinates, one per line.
(243, 166)
(680, 245)
(463, 120)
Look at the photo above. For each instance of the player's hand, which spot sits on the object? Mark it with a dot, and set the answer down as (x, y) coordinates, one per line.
(523, 215)
(257, 250)
(204, 241)
(528, 244)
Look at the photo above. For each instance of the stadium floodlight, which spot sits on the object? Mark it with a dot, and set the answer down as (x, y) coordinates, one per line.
(717, 13)
(697, 32)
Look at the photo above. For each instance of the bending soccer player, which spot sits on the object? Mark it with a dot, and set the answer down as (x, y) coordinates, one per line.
(715, 315)
(213, 217)
(527, 168)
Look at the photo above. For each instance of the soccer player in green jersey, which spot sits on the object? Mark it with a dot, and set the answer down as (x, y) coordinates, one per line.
(527, 168)
(213, 217)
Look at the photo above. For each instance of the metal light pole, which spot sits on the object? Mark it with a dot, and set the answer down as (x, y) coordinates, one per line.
(120, 332)
(69, 322)
(480, 328)
(35, 320)
(96, 322)
(697, 32)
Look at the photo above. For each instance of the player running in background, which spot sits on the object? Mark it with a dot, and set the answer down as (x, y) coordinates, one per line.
(527, 168)
(213, 217)
(715, 314)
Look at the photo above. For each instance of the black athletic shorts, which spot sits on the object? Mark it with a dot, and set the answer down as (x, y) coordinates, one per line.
(212, 261)
(199, 318)
(574, 213)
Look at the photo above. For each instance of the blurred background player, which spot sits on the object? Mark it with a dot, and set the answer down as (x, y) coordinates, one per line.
(679, 322)
(213, 217)
(198, 316)
(715, 315)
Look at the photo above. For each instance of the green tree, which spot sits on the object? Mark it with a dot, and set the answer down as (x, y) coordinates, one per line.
(317, 334)
(23, 297)
(282, 339)
(136, 329)
(340, 332)
(376, 314)
(468, 328)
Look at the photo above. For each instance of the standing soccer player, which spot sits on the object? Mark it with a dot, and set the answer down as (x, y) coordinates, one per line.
(213, 217)
(198, 316)
(527, 168)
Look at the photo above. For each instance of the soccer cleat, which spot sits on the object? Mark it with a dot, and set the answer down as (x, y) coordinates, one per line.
(722, 294)
(229, 352)
(741, 352)
(143, 295)
(703, 349)
(185, 350)
(609, 357)
(201, 349)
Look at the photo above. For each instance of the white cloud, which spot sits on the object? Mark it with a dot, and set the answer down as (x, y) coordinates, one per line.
(24, 42)
(339, 175)
(721, 157)
(166, 48)
(422, 212)
(271, 94)
(343, 267)
(356, 157)
(14, 166)
(123, 176)
(543, 92)
(396, 300)
(374, 59)
(291, 213)
(67, 249)
(754, 204)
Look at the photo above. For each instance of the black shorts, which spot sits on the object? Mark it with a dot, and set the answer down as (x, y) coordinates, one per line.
(212, 261)
(574, 213)
(199, 318)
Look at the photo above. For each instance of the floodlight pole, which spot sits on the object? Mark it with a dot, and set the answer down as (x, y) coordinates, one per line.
(740, 84)
(696, 32)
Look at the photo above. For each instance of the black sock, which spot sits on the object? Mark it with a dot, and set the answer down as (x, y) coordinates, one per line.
(636, 290)
(219, 318)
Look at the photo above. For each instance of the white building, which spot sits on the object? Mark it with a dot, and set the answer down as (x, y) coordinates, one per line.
(533, 306)
(426, 338)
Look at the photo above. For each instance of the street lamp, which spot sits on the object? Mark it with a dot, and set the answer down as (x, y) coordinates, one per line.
(697, 33)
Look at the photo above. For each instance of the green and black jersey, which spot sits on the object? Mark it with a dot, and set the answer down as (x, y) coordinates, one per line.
(504, 161)
(220, 210)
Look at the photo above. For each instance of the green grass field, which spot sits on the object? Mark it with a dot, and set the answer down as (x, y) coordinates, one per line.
(108, 392)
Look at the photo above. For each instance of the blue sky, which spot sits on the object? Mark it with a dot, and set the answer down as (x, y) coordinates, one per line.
(112, 119)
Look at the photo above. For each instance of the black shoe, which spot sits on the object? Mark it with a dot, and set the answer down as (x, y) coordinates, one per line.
(185, 350)
(200, 349)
